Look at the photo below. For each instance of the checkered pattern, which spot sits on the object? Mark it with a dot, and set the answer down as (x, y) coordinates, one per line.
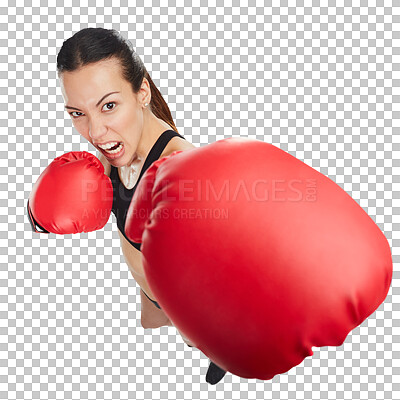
(318, 82)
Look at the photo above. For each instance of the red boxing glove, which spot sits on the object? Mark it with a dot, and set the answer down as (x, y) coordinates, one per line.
(72, 195)
(255, 256)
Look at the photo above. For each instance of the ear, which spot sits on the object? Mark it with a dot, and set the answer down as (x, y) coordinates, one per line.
(144, 95)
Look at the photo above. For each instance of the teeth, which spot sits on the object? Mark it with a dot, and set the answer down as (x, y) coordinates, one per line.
(107, 146)
(117, 150)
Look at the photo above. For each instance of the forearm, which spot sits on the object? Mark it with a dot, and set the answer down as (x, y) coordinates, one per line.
(152, 317)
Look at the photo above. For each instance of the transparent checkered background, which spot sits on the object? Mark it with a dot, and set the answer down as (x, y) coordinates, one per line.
(320, 82)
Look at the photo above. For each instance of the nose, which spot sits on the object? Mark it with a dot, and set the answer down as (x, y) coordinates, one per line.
(97, 130)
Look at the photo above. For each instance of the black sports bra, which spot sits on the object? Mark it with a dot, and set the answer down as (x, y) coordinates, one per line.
(122, 196)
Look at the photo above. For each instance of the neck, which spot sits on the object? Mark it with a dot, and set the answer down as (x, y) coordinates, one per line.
(153, 127)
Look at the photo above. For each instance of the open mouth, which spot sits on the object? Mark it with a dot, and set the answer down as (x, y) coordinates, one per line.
(115, 149)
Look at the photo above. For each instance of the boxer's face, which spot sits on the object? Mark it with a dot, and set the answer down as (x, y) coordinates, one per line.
(103, 118)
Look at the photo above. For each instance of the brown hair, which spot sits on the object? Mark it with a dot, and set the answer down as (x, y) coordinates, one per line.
(90, 45)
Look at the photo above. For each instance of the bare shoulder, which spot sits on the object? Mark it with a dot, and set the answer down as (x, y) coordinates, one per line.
(177, 143)
(106, 164)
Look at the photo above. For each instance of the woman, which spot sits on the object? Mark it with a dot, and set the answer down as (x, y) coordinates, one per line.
(115, 105)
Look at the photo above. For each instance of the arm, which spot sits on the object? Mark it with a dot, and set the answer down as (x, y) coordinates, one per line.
(152, 317)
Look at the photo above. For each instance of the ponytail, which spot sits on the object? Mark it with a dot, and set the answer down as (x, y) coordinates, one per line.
(158, 105)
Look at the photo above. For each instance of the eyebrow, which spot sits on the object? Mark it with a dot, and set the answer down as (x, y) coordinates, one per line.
(74, 108)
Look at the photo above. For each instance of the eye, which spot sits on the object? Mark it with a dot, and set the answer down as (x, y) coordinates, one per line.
(75, 116)
(107, 104)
